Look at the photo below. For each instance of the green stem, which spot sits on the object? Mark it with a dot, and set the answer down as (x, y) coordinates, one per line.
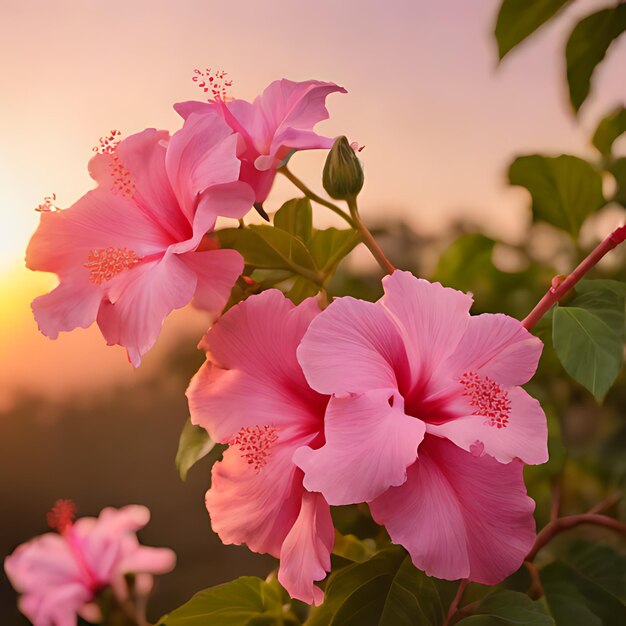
(368, 238)
(313, 196)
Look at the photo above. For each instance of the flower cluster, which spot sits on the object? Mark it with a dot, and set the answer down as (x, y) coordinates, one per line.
(408, 404)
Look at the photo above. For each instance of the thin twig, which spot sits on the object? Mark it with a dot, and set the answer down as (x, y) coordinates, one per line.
(560, 288)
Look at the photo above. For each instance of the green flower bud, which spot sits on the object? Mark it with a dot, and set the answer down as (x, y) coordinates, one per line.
(343, 175)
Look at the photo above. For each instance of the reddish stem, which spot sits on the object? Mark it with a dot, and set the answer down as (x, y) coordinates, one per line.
(556, 292)
(566, 523)
(454, 605)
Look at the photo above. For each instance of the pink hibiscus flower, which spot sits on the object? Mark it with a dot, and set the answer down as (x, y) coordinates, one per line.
(127, 253)
(279, 122)
(60, 575)
(428, 424)
(251, 394)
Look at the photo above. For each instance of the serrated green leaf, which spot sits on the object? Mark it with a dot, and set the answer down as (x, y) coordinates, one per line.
(587, 587)
(618, 169)
(193, 445)
(565, 190)
(517, 19)
(296, 218)
(588, 337)
(587, 46)
(247, 601)
(609, 129)
(386, 590)
(508, 608)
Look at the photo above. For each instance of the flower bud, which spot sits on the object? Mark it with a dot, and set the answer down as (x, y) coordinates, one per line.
(343, 175)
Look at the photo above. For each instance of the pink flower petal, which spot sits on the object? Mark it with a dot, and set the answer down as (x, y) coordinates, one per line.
(73, 304)
(305, 554)
(100, 219)
(524, 436)
(257, 507)
(252, 376)
(459, 515)
(497, 346)
(139, 301)
(57, 607)
(217, 271)
(200, 155)
(143, 155)
(369, 444)
(353, 347)
(432, 320)
(148, 560)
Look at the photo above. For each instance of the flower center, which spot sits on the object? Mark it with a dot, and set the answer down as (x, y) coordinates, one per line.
(213, 83)
(488, 398)
(61, 516)
(105, 263)
(254, 443)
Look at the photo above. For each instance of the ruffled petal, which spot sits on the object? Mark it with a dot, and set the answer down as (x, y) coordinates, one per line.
(369, 444)
(217, 271)
(99, 220)
(58, 606)
(148, 560)
(460, 515)
(353, 347)
(257, 503)
(497, 346)
(74, 303)
(203, 153)
(252, 376)
(432, 320)
(143, 155)
(140, 300)
(523, 435)
(305, 554)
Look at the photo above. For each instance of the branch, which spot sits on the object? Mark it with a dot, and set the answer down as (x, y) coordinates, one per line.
(560, 288)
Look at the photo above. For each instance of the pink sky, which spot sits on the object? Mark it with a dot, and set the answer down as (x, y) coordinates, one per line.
(439, 120)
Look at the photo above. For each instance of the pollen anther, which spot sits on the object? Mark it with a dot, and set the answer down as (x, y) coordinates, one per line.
(254, 443)
(488, 398)
(105, 263)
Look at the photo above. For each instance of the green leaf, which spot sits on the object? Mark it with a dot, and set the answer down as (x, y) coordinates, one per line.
(588, 337)
(386, 590)
(301, 289)
(587, 587)
(565, 190)
(502, 608)
(352, 548)
(518, 19)
(296, 218)
(267, 247)
(193, 445)
(609, 129)
(247, 601)
(330, 246)
(618, 169)
(587, 46)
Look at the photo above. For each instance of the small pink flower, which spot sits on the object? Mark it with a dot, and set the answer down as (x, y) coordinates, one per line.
(278, 122)
(127, 253)
(60, 575)
(428, 424)
(251, 394)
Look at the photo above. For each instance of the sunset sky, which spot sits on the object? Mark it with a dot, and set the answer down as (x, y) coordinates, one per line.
(439, 119)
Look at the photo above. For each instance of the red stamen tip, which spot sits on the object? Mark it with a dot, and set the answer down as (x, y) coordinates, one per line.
(619, 234)
(62, 515)
(213, 83)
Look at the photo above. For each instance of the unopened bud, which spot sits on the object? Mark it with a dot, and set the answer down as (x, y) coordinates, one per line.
(343, 175)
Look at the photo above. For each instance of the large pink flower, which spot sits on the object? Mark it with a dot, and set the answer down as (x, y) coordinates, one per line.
(428, 424)
(127, 252)
(60, 575)
(278, 122)
(251, 393)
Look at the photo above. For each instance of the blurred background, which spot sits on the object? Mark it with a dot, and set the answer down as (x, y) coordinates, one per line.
(440, 121)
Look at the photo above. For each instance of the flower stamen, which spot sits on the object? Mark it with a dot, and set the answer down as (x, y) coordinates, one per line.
(61, 516)
(489, 399)
(254, 444)
(213, 83)
(105, 263)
